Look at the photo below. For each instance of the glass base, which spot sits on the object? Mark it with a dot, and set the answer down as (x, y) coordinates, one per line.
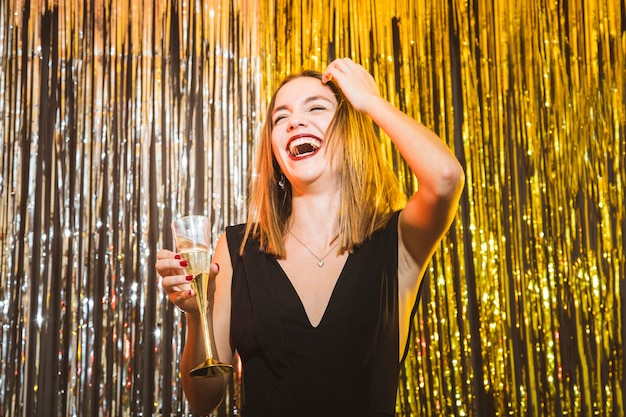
(210, 368)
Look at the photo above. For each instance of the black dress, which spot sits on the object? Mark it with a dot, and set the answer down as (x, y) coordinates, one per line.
(346, 366)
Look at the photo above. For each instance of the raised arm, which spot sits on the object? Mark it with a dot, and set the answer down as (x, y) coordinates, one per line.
(430, 211)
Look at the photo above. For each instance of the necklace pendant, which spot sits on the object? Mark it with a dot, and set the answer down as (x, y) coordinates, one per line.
(320, 263)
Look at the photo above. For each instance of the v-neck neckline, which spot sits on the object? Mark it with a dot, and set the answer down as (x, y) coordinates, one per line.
(301, 307)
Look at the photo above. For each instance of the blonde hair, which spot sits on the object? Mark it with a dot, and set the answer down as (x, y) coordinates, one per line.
(370, 192)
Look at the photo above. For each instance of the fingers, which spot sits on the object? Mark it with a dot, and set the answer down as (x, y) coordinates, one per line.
(339, 67)
(169, 263)
(332, 70)
(175, 283)
(347, 74)
(165, 254)
(214, 269)
(178, 290)
(355, 82)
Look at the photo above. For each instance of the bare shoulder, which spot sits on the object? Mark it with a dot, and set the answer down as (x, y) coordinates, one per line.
(221, 256)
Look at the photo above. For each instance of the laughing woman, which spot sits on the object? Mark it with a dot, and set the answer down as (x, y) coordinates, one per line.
(315, 292)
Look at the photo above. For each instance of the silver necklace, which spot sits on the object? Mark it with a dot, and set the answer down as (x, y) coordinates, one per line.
(320, 261)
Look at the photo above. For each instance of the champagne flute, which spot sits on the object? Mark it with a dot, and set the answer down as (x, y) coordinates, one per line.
(192, 237)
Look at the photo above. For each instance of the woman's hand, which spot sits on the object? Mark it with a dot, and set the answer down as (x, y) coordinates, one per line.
(175, 284)
(356, 84)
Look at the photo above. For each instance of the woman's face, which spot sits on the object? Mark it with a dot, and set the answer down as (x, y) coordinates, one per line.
(303, 110)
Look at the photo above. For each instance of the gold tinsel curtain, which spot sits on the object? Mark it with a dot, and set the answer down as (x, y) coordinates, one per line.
(118, 116)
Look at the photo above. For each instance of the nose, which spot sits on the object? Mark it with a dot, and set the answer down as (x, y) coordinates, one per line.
(296, 120)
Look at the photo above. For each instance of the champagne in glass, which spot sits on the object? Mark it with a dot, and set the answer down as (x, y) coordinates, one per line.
(192, 241)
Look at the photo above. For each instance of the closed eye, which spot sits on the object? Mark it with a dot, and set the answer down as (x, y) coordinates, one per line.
(279, 118)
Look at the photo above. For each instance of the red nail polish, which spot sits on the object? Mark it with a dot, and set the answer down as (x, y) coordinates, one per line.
(178, 256)
(184, 263)
(189, 277)
(218, 266)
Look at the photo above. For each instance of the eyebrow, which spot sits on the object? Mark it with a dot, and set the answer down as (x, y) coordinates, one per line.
(306, 101)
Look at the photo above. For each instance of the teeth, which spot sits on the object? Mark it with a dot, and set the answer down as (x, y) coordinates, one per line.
(304, 146)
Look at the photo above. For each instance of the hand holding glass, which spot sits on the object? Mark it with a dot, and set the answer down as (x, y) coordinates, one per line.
(192, 237)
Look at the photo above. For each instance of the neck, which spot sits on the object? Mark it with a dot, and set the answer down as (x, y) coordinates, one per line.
(315, 216)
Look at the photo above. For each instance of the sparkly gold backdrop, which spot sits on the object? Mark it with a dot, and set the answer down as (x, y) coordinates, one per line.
(119, 115)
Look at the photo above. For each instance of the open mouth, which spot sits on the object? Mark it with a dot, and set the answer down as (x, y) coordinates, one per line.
(303, 146)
